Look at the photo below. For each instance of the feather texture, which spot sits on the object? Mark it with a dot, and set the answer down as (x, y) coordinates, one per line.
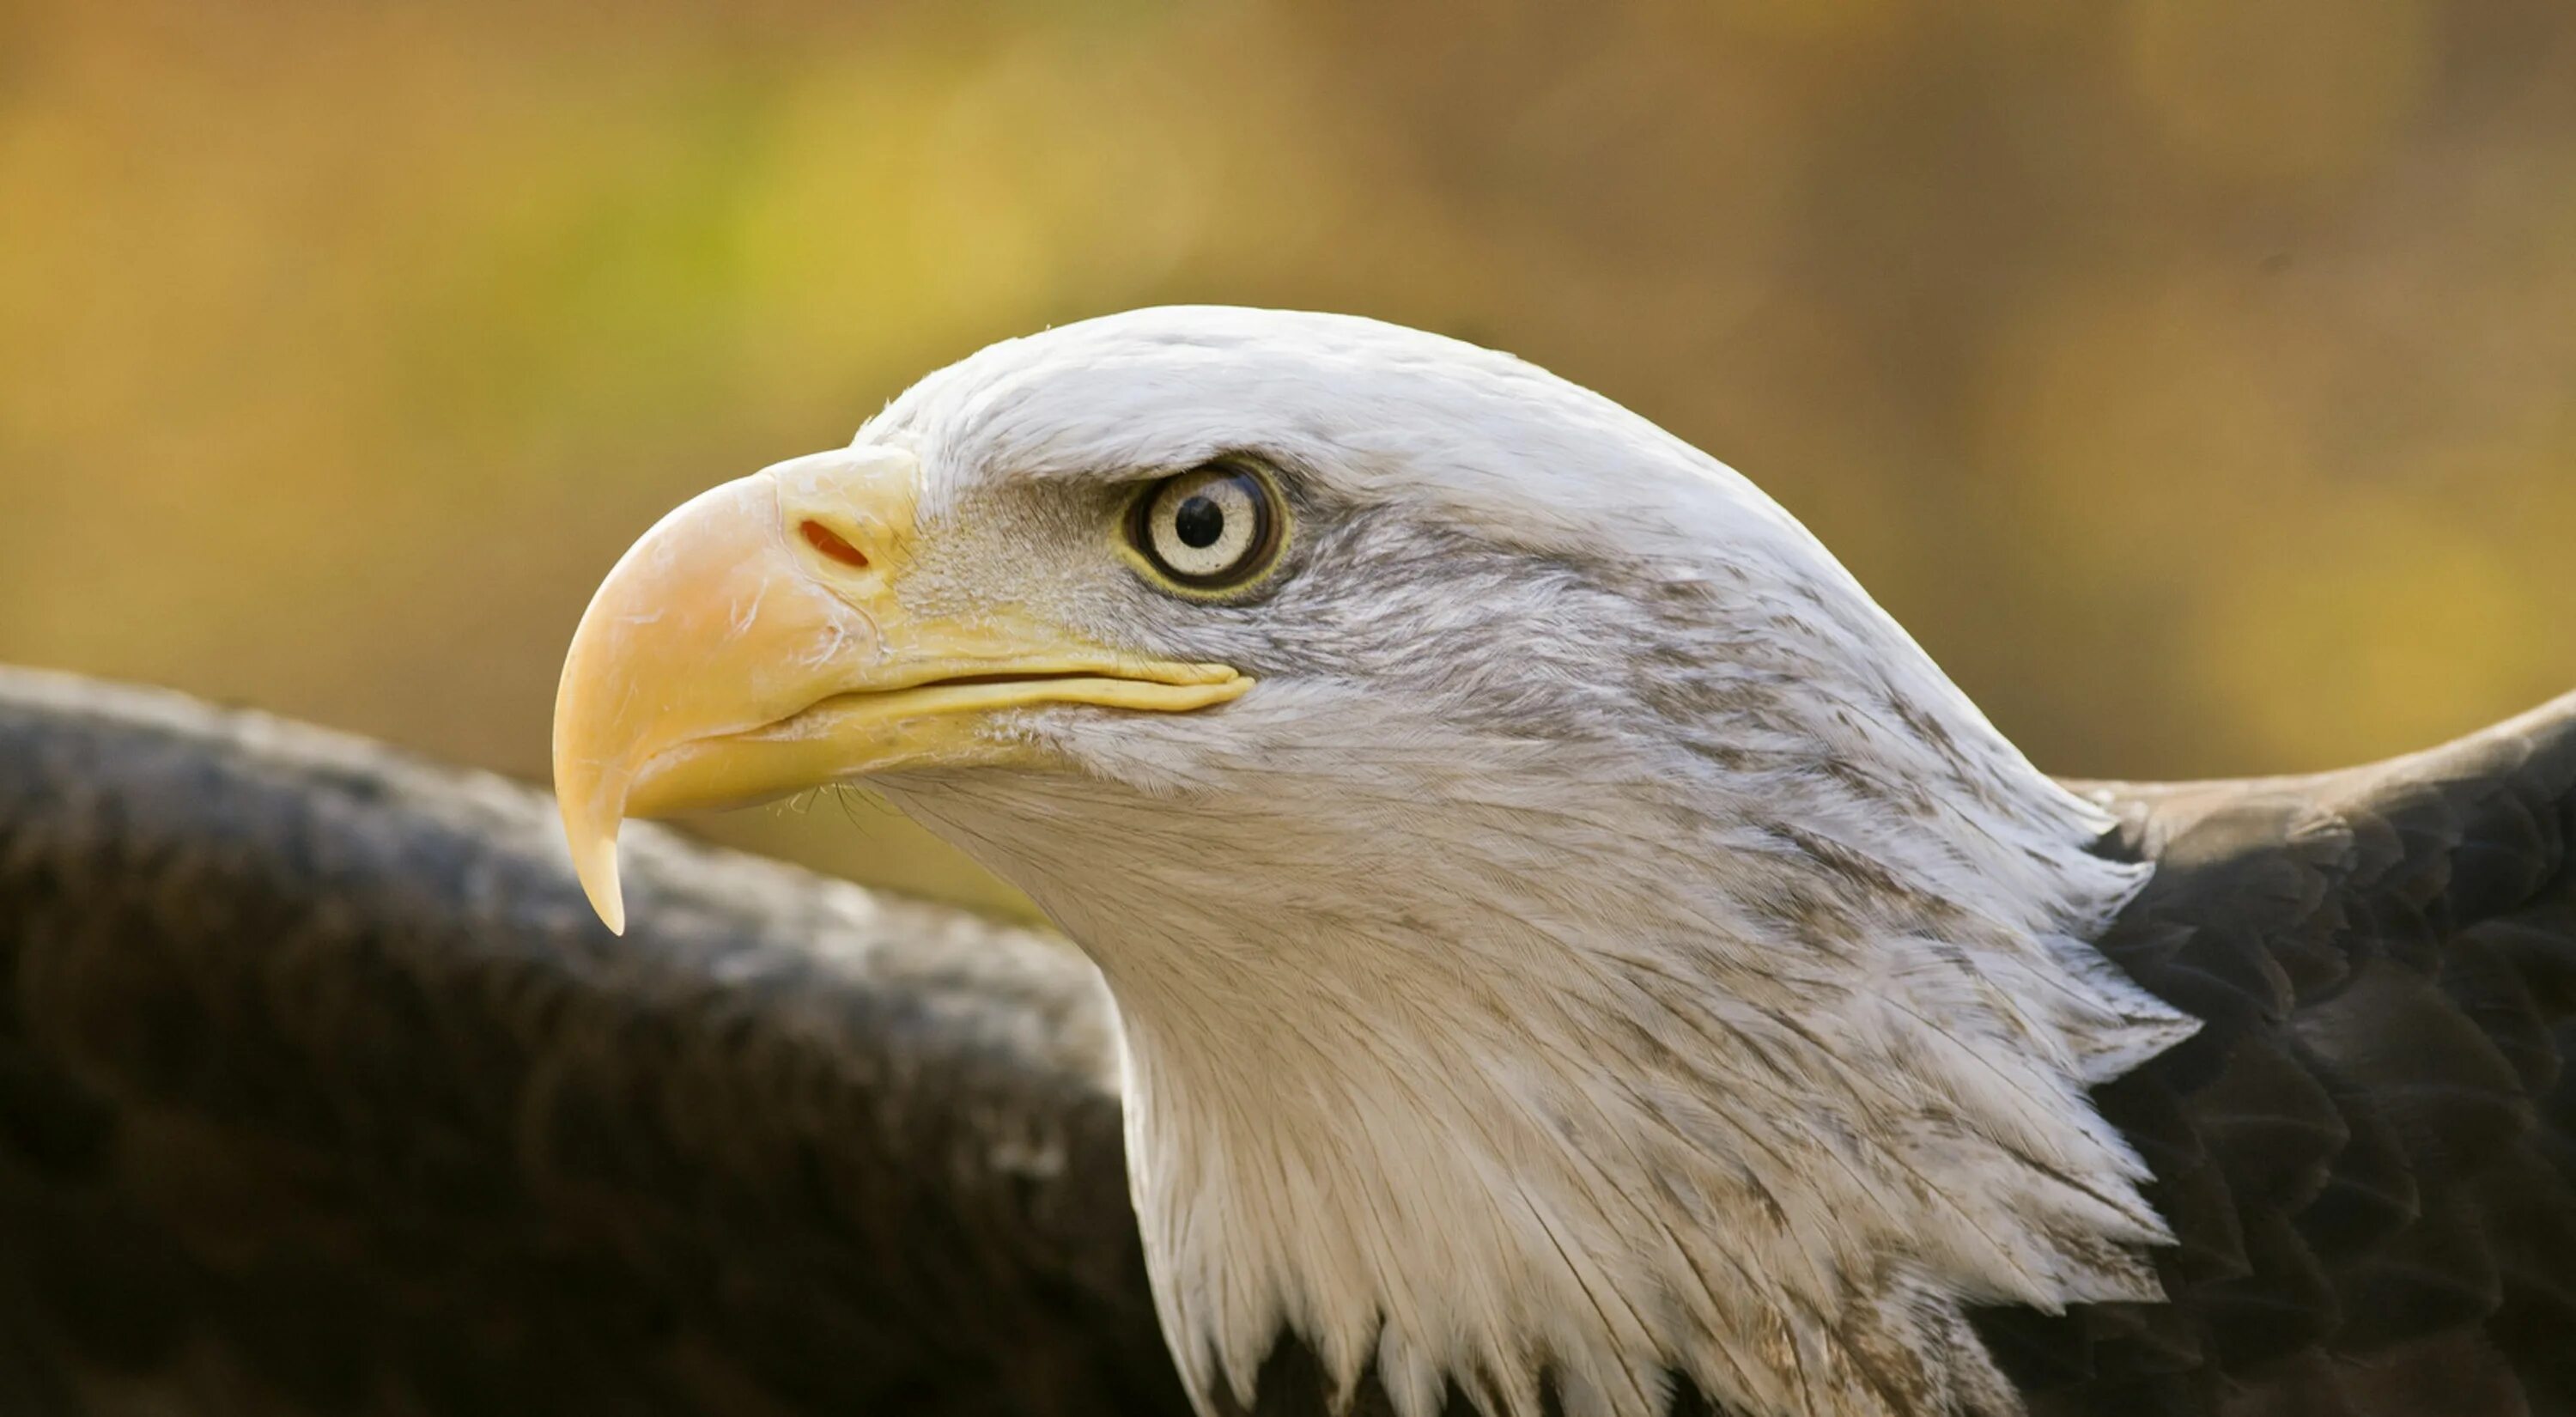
(151, 852)
(321, 1092)
(2365, 1154)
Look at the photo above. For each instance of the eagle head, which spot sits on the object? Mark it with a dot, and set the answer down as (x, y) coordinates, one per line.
(1566, 939)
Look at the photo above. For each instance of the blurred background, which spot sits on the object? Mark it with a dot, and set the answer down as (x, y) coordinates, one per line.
(2196, 378)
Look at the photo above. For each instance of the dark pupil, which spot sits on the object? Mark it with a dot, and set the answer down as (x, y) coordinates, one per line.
(1198, 523)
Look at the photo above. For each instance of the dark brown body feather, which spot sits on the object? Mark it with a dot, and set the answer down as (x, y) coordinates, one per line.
(321, 1092)
(2368, 1153)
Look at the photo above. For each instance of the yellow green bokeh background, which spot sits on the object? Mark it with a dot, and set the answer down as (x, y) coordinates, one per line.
(2197, 378)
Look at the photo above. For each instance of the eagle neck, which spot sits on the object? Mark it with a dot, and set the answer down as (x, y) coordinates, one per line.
(1763, 1123)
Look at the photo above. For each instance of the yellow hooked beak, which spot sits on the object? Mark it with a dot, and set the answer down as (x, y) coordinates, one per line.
(752, 645)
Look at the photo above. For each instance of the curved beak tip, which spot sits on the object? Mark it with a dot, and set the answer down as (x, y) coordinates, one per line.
(594, 863)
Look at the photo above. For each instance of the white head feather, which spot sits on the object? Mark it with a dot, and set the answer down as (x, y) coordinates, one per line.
(1603, 947)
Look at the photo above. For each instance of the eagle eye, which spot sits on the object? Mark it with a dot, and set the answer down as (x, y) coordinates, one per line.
(1211, 528)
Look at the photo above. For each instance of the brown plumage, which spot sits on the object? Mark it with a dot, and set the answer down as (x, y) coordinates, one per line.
(320, 1091)
(2367, 1152)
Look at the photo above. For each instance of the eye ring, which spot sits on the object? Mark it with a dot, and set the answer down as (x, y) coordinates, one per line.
(1212, 528)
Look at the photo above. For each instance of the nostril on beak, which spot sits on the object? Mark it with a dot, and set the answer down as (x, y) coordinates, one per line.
(831, 543)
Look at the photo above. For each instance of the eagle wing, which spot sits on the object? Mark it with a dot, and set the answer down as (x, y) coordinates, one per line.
(2368, 1152)
(322, 1091)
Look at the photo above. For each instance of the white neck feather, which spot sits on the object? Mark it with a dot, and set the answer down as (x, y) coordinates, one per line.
(1754, 1080)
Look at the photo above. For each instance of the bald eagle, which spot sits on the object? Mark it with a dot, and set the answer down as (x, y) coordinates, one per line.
(1572, 951)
